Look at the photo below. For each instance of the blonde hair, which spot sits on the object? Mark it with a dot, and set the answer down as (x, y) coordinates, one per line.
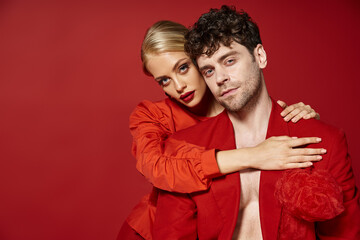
(163, 36)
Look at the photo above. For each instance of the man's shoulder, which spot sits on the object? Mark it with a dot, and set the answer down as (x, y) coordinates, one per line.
(316, 128)
(305, 128)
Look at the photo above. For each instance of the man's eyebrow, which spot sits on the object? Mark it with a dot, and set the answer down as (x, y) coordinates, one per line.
(204, 67)
(219, 60)
(226, 55)
(173, 69)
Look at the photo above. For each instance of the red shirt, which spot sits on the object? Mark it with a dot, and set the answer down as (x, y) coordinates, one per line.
(186, 168)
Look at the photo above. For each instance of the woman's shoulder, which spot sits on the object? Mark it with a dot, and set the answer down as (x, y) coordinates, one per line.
(151, 115)
(164, 111)
(154, 108)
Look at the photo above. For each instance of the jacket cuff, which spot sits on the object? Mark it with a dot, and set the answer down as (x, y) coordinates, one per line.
(209, 164)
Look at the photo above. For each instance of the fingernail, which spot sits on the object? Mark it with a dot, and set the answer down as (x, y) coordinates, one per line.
(323, 150)
(318, 139)
(319, 157)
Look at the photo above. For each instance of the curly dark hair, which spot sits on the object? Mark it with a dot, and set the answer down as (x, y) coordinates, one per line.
(221, 26)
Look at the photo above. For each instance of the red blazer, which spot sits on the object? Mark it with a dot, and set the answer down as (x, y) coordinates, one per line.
(212, 214)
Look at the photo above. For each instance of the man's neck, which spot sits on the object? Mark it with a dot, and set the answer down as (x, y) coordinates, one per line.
(250, 124)
(208, 107)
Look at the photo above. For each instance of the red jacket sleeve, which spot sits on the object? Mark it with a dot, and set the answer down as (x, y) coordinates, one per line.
(347, 224)
(183, 167)
(180, 220)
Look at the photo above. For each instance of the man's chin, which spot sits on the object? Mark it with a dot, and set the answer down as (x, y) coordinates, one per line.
(232, 106)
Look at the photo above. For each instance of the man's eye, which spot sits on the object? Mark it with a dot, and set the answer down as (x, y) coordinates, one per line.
(230, 61)
(183, 68)
(208, 72)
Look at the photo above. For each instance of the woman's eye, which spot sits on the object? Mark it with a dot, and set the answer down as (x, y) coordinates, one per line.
(164, 81)
(183, 68)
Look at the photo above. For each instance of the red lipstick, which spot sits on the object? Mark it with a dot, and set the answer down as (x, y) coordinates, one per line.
(188, 96)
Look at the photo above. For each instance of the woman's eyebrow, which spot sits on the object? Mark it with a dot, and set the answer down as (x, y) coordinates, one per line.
(177, 63)
(173, 69)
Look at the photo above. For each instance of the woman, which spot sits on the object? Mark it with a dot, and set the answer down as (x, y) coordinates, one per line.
(183, 167)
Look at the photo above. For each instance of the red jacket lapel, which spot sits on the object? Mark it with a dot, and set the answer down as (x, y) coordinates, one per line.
(226, 190)
(270, 210)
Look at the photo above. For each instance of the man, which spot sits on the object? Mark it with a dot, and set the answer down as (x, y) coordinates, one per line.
(321, 202)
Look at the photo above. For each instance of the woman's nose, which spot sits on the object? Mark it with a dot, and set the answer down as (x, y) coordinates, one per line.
(179, 85)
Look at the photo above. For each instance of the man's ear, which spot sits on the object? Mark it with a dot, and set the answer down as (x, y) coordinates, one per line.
(260, 56)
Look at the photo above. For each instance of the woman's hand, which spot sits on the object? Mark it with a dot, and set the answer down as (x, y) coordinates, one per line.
(297, 111)
(278, 153)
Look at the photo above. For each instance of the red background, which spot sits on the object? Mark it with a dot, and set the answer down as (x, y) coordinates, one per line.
(70, 74)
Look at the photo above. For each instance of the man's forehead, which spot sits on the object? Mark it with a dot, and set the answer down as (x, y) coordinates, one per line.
(222, 50)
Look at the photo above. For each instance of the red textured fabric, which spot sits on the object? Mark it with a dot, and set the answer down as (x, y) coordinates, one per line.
(306, 196)
(311, 195)
(294, 228)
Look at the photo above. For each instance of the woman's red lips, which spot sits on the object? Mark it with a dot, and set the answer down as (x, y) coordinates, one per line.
(188, 96)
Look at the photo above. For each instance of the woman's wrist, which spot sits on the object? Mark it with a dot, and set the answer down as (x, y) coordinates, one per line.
(235, 160)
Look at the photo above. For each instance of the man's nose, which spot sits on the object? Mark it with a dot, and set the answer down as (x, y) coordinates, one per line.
(221, 76)
(179, 85)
